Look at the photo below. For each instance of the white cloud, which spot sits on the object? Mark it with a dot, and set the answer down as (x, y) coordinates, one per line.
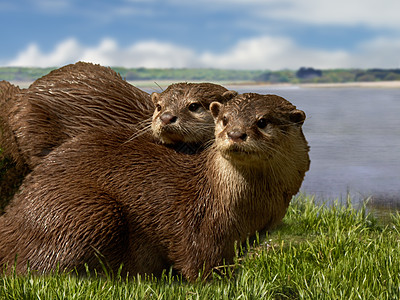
(66, 52)
(274, 53)
(163, 55)
(149, 54)
(379, 52)
(257, 53)
(370, 13)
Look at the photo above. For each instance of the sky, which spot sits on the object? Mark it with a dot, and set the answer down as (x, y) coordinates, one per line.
(227, 34)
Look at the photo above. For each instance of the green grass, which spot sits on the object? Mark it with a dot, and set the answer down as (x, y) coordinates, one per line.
(319, 252)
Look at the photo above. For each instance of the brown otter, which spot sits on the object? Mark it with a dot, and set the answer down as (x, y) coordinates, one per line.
(182, 116)
(137, 203)
(11, 174)
(8, 92)
(81, 96)
(66, 102)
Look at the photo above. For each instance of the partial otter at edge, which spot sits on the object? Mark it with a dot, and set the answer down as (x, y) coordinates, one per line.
(11, 174)
(8, 92)
(148, 207)
(66, 102)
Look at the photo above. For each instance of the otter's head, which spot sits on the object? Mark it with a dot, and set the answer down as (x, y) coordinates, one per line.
(253, 129)
(182, 112)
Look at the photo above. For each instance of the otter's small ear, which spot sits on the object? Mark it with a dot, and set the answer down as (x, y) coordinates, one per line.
(228, 95)
(154, 97)
(297, 116)
(215, 107)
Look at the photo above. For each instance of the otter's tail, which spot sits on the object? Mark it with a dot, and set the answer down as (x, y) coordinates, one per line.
(12, 168)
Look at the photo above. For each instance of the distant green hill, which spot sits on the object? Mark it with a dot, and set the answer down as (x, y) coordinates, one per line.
(303, 75)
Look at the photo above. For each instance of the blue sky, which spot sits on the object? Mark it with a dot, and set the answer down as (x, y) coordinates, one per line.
(229, 34)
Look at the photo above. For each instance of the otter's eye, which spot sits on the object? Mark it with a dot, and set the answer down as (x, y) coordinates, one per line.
(158, 107)
(194, 106)
(262, 123)
(224, 121)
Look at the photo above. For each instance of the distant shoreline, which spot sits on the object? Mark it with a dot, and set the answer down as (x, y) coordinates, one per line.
(365, 84)
(157, 84)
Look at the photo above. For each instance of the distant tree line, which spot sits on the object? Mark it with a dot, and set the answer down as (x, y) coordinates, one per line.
(347, 75)
(303, 75)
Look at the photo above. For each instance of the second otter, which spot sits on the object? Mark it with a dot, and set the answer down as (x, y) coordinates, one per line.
(137, 203)
(78, 97)
(182, 115)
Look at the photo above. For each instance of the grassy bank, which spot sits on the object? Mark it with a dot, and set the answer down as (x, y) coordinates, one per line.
(319, 252)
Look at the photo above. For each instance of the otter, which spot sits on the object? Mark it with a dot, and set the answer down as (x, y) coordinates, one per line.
(11, 174)
(182, 118)
(82, 96)
(8, 92)
(103, 196)
(66, 102)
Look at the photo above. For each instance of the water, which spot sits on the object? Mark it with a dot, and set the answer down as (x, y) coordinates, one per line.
(354, 135)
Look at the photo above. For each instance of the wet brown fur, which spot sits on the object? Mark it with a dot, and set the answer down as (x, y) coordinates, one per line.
(66, 102)
(82, 96)
(8, 92)
(11, 174)
(188, 126)
(148, 207)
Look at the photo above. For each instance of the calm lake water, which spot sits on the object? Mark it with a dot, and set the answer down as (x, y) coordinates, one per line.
(354, 135)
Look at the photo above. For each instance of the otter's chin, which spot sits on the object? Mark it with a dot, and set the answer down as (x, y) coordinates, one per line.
(241, 155)
(170, 138)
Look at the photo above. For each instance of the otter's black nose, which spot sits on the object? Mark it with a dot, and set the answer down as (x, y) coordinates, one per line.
(237, 136)
(168, 118)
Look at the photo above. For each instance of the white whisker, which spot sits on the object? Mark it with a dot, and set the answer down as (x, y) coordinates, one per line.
(139, 132)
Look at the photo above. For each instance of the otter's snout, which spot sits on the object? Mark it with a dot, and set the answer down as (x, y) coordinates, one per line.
(168, 118)
(237, 136)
